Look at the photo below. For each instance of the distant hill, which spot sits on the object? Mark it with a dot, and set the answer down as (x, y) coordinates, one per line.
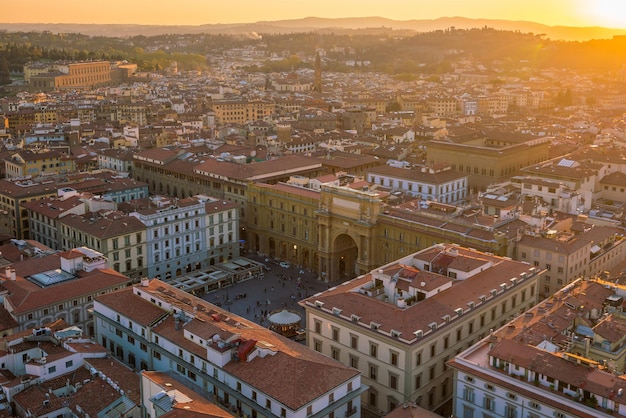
(313, 24)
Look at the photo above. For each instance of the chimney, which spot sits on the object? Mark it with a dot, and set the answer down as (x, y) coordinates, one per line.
(145, 282)
(12, 276)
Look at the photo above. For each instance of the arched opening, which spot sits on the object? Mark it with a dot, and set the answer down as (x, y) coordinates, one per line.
(306, 262)
(272, 247)
(345, 253)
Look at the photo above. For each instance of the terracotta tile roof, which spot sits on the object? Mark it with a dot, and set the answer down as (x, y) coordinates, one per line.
(57, 325)
(127, 379)
(138, 310)
(555, 366)
(53, 208)
(611, 329)
(312, 374)
(260, 170)
(291, 189)
(198, 405)
(104, 226)
(25, 296)
(419, 315)
(616, 179)
(416, 174)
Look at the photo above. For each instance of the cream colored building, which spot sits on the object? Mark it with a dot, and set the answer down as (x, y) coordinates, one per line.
(399, 324)
(566, 255)
(241, 111)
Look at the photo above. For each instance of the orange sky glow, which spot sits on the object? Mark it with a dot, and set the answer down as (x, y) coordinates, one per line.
(608, 13)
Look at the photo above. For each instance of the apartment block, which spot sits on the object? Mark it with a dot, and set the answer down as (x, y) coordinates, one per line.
(33, 164)
(439, 183)
(154, 326)
(563, 358)
(581, 251)
(400, 323)
(188, 234)
(489, 157)
(58, 286)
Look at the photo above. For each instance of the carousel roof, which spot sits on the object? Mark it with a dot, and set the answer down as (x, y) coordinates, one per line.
(284, 317)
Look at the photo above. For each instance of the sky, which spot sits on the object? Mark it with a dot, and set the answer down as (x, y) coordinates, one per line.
(607, 13)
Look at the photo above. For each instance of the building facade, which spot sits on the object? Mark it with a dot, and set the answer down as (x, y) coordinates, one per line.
(400, 323)
(438, 183)
(188, 234)
(59, 286)
(489, 157)
(567, 256)
(154, 326)
(562, 358)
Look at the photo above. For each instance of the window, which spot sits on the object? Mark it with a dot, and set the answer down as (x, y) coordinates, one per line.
(318, 327)
(334, 353)
(468, 412)
(335, 334)
(510, 411)
(156, 355)
(418, 359)
(354, 341)
(468, 394)
(394, 358)
(143, 347)
(354, 362)
(52, 369)
(373, 349)
(489, 403)
(393, 381)
(418, 381)
(69, 364)
(373, 371)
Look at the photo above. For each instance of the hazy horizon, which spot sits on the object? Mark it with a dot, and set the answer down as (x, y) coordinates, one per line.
(575, 13)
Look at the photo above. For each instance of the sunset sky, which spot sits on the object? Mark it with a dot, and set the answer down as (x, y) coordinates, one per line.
(608, 13)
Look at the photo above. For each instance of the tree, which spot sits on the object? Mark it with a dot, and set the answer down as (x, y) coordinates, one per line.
(5, 75)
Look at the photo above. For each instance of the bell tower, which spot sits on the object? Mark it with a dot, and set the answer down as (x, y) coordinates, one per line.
(317, 81)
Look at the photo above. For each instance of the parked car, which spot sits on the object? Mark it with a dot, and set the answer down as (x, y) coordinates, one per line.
(284, 264)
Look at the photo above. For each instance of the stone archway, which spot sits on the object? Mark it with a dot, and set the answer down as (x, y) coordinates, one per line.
(271, 247)
(346, 252)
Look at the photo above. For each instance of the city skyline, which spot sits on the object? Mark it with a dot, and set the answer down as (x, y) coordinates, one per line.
(604, 13)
